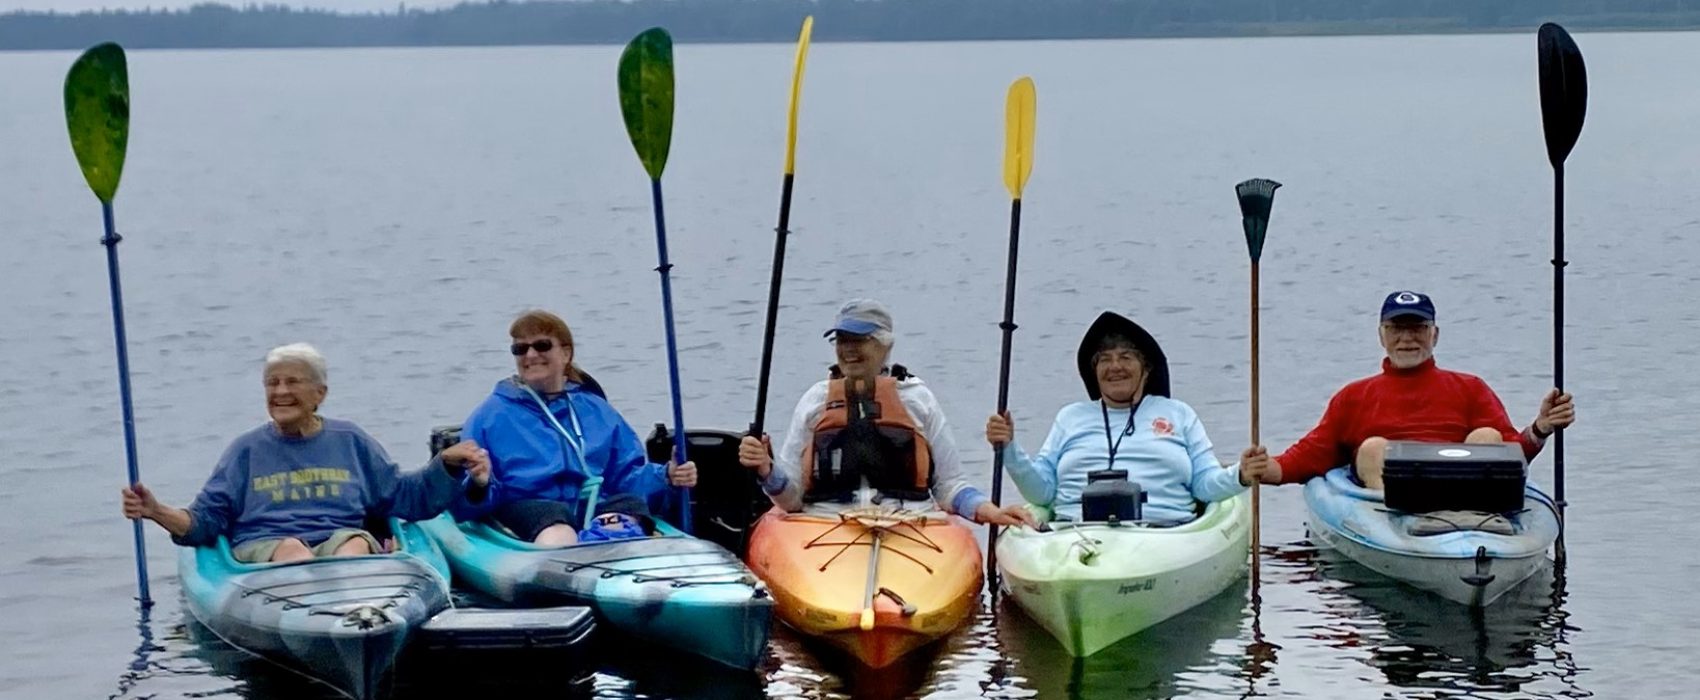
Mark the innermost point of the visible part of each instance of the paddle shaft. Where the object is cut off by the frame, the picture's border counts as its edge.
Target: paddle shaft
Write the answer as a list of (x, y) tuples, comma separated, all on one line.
[(1008, 327), (666, 268), (1256, 520), (780, 233), (110, 240), (1558, 263)]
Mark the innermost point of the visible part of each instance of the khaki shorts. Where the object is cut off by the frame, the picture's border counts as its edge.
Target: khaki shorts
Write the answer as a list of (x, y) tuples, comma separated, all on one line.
[(261, 551)]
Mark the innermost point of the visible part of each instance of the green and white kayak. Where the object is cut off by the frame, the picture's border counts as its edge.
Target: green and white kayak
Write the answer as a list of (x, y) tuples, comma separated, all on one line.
[(1092, 584)]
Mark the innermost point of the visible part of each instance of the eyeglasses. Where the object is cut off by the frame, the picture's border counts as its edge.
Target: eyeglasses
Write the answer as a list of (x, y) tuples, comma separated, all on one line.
[(541, 346), (1126, 359)]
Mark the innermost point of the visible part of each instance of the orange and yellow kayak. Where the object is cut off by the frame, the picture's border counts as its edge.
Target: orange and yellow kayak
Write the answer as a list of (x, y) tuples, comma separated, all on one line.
[(875, 582)]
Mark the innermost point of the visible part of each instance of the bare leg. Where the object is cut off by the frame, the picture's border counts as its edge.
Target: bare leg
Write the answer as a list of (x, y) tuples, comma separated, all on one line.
[(1484, 436), (1371, 459), (557, 535), (354, 547), (291, 549)]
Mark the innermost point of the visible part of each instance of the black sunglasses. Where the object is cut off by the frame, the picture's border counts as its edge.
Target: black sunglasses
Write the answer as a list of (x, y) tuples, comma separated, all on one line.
[(541, 346)]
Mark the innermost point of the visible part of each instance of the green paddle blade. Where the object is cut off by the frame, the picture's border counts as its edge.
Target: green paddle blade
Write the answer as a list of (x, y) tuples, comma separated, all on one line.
[(1564, 90), (97, 112), (646, 97), (1257, 197)]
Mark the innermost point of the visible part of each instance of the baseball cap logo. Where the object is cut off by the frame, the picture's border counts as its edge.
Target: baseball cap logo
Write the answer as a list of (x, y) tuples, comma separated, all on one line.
[(1406, 298)]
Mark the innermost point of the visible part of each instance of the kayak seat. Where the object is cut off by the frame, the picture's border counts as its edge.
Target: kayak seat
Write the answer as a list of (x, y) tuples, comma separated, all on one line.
[(1441, 522), (728, 499)]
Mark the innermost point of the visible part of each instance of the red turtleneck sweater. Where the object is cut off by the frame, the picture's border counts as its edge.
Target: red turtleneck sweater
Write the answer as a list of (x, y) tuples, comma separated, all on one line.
[(1422, 403)]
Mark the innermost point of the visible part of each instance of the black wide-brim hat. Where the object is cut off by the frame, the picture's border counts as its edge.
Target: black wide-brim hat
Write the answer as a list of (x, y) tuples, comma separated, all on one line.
[(1111, 323)]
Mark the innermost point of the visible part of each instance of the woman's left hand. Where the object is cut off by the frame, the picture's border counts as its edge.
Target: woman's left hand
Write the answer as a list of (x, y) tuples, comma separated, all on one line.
[(683, 475)]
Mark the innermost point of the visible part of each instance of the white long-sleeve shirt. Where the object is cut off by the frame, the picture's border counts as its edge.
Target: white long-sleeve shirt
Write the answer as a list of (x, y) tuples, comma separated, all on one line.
[(951, 490), (1168, 453)]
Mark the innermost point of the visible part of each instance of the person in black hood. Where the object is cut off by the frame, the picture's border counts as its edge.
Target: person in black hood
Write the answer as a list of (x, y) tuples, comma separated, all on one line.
[(1128, 422)]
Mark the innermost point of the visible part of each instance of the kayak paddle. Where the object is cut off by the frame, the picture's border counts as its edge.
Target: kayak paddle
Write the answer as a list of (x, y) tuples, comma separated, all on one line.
[(646, 104), (1019, 109), (1564, 102), (782, 230), (1257, 198), (97, 113)]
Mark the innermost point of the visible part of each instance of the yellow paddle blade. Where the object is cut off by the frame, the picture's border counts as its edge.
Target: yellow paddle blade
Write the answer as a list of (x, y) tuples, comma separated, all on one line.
[(1018, 136), (867, 621), (797, 95)]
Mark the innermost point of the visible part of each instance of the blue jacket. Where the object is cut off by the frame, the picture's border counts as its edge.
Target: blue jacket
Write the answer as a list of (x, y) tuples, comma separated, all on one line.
[(268, 485), (531, 460)]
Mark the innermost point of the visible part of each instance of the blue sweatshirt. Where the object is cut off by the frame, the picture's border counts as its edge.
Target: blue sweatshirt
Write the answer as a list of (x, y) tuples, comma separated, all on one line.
[(531, 460), (1168, 454), (268, 485)]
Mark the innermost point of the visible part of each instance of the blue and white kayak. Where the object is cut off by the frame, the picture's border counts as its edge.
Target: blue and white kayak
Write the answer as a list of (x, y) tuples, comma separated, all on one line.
[(671, 589), (340, 620), (1469, 558)]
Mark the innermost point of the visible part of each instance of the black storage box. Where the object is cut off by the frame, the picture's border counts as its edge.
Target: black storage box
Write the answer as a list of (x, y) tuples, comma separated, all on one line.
[(1427, 476), (1110, 497)]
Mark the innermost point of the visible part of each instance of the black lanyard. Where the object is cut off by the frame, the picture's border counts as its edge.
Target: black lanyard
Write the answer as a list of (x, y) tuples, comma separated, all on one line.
[(1126, 431)]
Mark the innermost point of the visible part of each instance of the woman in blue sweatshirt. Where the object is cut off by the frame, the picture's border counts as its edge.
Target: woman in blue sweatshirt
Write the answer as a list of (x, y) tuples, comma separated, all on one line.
[(302, 486), (557, 449), (1129, 422)]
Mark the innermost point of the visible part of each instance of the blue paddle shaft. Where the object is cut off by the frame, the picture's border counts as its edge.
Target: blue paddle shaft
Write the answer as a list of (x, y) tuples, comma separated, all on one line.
[(665, 268), (110, 240)]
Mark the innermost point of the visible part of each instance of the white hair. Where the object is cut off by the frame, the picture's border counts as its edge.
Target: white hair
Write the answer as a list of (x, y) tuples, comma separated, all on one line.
[(301, 353), (883, 337)]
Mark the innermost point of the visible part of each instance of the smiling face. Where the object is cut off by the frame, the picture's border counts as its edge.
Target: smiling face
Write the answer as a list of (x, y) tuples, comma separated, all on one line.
[(1409, 340), (859, 355), (1121, 374), (545, 371), (293, 395)]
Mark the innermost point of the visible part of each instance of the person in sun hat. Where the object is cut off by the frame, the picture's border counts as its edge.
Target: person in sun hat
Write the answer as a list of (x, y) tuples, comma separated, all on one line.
[(1129, 421), (304, 486), (870, 422), (1411, 399), (559, 453)]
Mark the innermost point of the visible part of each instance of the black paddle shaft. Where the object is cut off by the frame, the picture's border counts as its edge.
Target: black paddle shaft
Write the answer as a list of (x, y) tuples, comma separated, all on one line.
[(1008, 327), (780, 233), (1558, 263)]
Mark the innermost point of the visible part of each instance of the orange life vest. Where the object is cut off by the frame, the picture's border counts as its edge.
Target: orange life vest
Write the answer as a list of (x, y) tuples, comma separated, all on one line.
[(865, 433)]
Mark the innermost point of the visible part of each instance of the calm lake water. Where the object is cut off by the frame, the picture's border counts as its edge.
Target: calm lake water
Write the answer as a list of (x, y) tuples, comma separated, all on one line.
[(397, 207)]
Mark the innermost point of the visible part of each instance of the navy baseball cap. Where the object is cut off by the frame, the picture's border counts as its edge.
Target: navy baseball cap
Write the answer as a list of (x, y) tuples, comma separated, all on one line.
[(861, 317), (1407, 303)]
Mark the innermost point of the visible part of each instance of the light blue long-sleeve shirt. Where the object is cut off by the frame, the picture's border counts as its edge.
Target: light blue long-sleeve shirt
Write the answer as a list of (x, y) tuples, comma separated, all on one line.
[(1168, 454)]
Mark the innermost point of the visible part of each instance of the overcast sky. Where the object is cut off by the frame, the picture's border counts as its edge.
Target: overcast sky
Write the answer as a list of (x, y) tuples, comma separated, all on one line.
[(76, 5)]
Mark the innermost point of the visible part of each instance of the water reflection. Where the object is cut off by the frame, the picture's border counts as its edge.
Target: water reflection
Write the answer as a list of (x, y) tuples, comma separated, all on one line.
[(1420, 641), (1198, 647)]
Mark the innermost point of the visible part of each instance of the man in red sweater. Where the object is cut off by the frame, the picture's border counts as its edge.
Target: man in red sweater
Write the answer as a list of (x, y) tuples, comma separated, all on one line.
[(1411, 399)]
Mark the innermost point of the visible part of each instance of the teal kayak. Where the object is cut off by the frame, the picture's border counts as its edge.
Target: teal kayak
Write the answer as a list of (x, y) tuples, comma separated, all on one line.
[(340, 620), (671, 589)]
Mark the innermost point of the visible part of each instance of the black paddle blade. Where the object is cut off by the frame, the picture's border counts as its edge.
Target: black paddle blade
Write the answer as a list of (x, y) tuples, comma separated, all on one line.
[(1564, 91), (1257, 197)]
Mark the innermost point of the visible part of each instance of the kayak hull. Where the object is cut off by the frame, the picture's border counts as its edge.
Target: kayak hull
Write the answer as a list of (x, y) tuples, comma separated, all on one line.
[(1471, 567), (1136, 578), (817, 567), (340, 620), (674, 590)]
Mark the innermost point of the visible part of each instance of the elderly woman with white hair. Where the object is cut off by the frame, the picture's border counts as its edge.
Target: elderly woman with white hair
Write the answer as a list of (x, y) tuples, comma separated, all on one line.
[(870, 423), (302, 486)]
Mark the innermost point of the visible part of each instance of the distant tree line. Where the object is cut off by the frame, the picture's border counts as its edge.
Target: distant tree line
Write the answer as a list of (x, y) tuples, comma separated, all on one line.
[(615, 21)]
